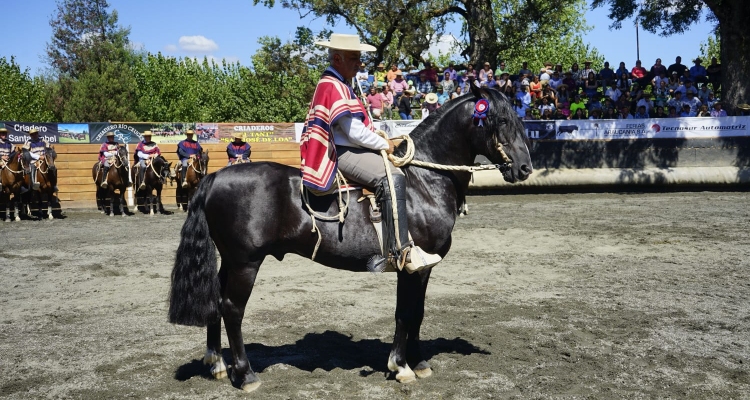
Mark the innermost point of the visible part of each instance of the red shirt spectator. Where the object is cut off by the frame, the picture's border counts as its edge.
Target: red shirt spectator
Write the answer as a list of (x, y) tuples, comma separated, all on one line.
[(638, 71)]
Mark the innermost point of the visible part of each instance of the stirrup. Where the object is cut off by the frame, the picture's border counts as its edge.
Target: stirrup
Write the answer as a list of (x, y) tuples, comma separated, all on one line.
[(103, 185), (184, 185), (35, 186), (418, 259), (142, 187)]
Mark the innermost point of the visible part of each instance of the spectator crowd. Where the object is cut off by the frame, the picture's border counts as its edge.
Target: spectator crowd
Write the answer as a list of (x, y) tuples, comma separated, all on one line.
[(554, 93)]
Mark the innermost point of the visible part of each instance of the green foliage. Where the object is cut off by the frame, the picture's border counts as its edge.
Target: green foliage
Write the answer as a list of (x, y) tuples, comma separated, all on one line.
[(90, 57), (509, 29), (22, 98), (555, 37), (711, 48)]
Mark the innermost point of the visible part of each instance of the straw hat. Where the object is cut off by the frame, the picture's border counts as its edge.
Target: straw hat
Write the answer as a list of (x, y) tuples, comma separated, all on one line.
[(110, 133), (237, 135), (410, 92), (3, 129), (33, 131), (744, 106), (189, 132), (431, 98), (147, 133), (340, 41)]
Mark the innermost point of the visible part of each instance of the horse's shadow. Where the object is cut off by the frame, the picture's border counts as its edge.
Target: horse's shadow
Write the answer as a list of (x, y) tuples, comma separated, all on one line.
[(327, 351)]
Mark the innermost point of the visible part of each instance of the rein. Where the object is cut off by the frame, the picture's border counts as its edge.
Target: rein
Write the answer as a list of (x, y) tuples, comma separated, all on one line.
[(161, 178), (43, 161), (408, 159), (6, 165)]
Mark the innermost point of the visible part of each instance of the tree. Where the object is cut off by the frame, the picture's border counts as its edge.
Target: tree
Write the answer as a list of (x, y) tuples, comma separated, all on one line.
[(711, 48), (22, 98), (667, 17), (90, 49), (404, 29)]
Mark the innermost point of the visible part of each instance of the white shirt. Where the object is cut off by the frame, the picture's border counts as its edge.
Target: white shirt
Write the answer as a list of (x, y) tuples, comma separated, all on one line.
[(362, 75), (351, 132), (613, 94)]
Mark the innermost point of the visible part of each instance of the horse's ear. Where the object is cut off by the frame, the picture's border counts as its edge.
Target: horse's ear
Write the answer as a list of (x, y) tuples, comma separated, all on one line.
[(475, 89)]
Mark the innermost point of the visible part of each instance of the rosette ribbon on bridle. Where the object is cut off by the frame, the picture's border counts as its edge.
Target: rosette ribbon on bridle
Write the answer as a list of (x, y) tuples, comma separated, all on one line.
[(480, 111)]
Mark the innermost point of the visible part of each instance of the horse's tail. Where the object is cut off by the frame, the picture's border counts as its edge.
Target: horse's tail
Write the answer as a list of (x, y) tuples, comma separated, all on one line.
[(195, 294)]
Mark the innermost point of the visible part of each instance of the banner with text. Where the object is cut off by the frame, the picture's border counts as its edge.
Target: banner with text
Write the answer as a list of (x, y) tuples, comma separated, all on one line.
[(18, 131), (656, 128), (252, 132)]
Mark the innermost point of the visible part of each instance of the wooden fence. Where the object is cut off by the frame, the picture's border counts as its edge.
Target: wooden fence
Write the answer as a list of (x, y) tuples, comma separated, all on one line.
[(75, 161)]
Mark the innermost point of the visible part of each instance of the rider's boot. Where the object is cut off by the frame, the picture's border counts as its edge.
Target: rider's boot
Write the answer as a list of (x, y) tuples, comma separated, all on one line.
[(416, 258), (105, 171), (34, 183), (142, 177), (183, 176)]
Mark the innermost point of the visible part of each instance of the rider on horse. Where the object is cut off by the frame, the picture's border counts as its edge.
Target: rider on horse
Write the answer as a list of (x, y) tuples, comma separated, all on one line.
[(5, 148), (187, 150), (106, 154), (34, 149), (338, 133), (239, 150), (145, 151)]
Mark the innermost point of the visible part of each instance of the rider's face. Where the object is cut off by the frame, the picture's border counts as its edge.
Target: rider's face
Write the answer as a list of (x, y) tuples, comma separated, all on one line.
[(347, 63)]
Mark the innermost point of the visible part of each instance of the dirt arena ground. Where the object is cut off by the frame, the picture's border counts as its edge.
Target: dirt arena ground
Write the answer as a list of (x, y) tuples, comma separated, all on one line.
[(543, 296)]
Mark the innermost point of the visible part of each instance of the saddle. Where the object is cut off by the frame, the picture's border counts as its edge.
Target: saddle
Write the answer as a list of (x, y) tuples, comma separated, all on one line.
[(341, 187)]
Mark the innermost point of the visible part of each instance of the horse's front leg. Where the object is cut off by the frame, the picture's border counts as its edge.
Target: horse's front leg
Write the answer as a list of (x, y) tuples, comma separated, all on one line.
[(151, 203), (49, 206), (16, 209), (112, 203), (158, 201), (409, 314), (122, 202)]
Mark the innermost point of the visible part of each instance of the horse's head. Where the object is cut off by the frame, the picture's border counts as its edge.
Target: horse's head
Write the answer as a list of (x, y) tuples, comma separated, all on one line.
[(50, 156), (204, 163), (480, 122), (122, 154), (498, 134)]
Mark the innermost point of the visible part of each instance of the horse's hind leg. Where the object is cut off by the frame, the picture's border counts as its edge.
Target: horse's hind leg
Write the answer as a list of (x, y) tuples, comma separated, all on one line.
[(409, 314), (213, 351), (236, 291)]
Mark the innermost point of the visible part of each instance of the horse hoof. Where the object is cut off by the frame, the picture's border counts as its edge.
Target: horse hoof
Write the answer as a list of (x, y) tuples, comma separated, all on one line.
[(423, 373), (50, 217), (249, 387), (219, 375), (405, 375), (17, 219)]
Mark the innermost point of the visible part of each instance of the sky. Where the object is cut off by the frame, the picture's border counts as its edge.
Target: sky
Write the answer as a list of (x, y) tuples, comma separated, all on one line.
[(230, 29)]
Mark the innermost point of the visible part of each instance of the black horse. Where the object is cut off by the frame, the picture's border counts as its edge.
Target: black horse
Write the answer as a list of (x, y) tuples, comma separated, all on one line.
[(254, 210), (157, 172)]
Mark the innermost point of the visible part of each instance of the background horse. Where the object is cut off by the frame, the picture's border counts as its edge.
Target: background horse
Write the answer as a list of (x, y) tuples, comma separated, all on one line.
[(196, 170), (46, 176), (254, 210), (12, 179), (116, 179), (157, 172)]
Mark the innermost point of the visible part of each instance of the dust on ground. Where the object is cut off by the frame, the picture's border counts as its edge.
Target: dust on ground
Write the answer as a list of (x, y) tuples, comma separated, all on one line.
[(541, 296)]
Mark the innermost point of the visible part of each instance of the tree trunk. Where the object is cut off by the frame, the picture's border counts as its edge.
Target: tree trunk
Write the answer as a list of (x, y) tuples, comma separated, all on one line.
[(735, 52), (482, 33)]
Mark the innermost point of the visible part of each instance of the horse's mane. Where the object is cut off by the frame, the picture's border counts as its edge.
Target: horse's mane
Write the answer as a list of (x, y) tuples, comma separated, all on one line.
[(449, 114)]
